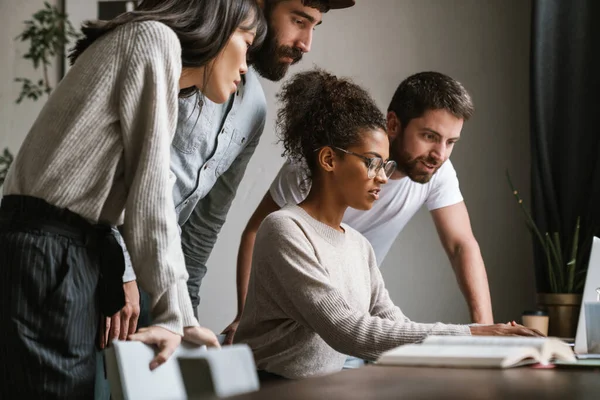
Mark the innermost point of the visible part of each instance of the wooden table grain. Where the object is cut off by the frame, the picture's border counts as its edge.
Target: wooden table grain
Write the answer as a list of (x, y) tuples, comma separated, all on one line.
[(385, 382)]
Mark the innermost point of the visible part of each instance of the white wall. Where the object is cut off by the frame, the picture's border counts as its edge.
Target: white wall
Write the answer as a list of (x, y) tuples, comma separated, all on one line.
[(485, 45), (482, 43)]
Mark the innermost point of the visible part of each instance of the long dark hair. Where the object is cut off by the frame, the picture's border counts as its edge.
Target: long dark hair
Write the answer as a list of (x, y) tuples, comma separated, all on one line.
[(202, 26), (319, 109)]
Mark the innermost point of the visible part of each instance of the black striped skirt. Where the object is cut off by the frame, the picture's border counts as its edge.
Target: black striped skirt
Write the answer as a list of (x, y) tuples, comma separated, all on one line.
[(58, 274)]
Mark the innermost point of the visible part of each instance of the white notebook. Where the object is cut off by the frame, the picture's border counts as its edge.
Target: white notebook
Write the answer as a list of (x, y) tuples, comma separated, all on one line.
[(478, 352)]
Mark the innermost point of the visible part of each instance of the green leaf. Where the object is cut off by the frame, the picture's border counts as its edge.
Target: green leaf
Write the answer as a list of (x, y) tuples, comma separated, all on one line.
[(47, 32), (551, 273), (559, 259), (571, 266), (555, 263)]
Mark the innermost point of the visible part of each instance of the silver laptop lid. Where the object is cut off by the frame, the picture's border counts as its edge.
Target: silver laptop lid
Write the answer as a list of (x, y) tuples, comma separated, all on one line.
[(592, 281)]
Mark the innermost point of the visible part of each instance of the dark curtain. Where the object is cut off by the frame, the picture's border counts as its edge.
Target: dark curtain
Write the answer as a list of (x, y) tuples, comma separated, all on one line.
[(565, 124)]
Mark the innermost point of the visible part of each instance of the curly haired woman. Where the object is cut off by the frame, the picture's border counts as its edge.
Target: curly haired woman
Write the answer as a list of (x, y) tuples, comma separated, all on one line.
[(316, 293)]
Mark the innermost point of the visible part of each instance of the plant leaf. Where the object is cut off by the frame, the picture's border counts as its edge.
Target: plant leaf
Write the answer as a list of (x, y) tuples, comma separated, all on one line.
[(559, 259), (554, 265), (572, 265)]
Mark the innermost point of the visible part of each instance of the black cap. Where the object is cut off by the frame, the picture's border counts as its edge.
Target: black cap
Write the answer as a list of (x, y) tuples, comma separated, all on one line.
[(337, 4)]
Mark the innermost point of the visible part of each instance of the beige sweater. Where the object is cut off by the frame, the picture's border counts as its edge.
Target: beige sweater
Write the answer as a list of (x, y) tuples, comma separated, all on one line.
[(100, 148), (316, 295)]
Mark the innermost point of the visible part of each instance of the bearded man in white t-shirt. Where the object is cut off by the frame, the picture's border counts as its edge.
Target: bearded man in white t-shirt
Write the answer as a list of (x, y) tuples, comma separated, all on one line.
[(424, 121)]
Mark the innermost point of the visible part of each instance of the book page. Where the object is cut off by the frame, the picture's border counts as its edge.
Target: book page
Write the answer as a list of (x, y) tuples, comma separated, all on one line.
[(556, 349), (501, 341), (459, 356), (548, 348)]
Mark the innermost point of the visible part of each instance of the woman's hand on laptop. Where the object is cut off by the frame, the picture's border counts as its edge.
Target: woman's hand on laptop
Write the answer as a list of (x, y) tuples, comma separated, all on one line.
[(510, 329)]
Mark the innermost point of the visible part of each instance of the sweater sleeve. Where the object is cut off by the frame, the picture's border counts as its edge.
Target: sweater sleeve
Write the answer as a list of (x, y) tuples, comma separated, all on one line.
[(292, 272), (149, 88)]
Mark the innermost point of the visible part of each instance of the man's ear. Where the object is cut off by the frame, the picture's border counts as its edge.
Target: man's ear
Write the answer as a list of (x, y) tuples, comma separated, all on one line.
[(393, 125), (326, 158)]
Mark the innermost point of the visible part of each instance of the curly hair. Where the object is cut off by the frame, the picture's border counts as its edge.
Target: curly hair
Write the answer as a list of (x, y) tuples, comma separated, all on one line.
[(430, 91), (319, 109)]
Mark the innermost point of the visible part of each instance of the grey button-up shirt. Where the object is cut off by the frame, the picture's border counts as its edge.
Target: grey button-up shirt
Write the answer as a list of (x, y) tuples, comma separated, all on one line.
[(209, 154)]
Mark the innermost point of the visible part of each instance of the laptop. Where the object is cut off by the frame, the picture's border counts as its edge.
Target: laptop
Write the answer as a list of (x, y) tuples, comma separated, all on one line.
[(592, 281)]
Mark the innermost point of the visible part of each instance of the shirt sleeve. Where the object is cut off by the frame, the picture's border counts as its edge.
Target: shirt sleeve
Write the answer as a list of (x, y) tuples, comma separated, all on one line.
[(147, 103), (199, 233), (284, 254), (445, 190), (291, 185), (129, 273)]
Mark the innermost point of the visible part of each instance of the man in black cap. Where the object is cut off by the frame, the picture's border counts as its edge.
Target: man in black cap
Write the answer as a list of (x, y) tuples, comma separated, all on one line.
[(214, 143), (291, 24)]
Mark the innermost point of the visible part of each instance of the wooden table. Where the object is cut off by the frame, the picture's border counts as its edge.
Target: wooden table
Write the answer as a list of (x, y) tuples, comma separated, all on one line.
[(385, 382)]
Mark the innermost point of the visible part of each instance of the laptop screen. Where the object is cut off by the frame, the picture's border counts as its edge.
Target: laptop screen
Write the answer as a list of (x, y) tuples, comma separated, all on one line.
[(592, 281)]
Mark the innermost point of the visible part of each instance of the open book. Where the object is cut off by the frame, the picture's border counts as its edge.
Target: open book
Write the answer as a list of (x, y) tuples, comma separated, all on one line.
[(479, 351)]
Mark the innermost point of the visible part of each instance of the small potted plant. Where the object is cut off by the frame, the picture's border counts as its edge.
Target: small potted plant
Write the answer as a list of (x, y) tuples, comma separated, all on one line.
[(564, 270)]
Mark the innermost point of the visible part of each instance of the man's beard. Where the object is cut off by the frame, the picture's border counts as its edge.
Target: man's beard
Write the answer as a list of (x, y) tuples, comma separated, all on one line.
[(267, 60), (410, 167)]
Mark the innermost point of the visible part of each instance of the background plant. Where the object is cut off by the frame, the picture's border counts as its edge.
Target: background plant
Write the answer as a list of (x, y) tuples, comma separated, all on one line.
[(48, 32), (565, 269)]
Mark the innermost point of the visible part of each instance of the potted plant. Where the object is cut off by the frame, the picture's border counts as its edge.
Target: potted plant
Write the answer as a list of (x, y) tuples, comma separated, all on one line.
[(565, 270), (48, 33)]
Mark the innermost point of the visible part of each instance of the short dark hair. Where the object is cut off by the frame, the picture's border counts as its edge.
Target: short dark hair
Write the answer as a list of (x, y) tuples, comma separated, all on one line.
[(430, 91), (319, 109), (202, 26)]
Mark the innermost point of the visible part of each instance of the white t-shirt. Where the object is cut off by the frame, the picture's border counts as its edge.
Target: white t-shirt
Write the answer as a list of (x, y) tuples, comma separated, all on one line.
[(398, 201)]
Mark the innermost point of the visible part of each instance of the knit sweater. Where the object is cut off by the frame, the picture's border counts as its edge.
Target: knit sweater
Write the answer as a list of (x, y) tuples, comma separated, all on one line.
[(100, 148), (316, 295)]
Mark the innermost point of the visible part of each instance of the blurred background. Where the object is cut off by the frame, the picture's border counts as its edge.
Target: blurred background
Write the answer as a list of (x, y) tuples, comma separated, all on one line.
[(485, 44)]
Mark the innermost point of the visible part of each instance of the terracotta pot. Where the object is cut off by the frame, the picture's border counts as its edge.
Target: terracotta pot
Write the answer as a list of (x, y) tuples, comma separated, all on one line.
[(563, 310)]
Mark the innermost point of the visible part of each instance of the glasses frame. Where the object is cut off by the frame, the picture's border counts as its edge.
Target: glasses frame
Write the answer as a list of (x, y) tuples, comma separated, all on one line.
[(369, 162)]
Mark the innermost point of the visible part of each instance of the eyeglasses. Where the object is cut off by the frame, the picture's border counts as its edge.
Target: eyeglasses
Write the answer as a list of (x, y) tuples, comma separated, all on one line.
[(374, 164)]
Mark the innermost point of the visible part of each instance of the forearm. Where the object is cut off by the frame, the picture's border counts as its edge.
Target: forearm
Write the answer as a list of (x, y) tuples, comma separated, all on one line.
[(365, 336), (150, 225), (244, 267), (197, 246), (472, 278)]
